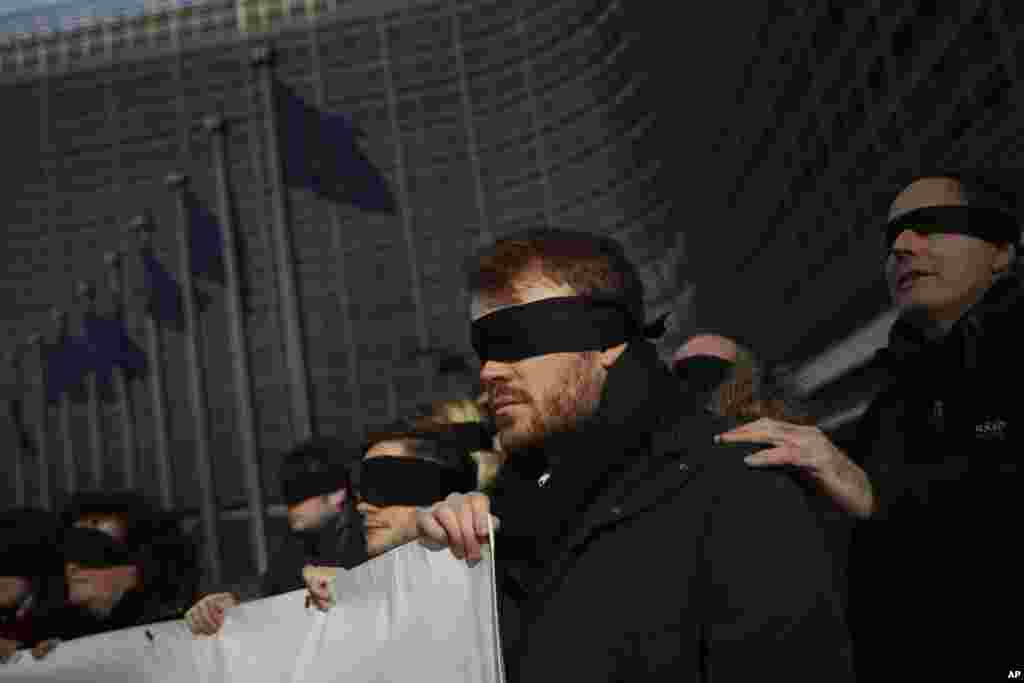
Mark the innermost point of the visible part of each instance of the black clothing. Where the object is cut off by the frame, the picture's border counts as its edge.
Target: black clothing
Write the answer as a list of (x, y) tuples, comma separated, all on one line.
[(136, 608), (650, 553), (930, 579), (340, 543)]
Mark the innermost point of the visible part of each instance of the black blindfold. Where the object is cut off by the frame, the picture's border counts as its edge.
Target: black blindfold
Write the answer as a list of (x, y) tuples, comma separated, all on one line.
[(991, 225), (557, 325), (386, 481), (95, 549)]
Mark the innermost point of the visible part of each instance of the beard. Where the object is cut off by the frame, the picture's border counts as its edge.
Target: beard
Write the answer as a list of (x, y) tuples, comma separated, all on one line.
[(566, 408)]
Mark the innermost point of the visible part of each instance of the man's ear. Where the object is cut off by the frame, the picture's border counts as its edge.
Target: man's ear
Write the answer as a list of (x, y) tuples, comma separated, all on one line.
[(609, 356)]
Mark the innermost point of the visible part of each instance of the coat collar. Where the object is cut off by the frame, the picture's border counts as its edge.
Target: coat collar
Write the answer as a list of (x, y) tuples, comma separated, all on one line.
[(908, 343), (644, 403), (655, 441)]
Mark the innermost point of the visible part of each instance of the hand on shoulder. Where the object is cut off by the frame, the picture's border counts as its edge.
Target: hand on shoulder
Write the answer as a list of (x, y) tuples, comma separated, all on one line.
[(810, 451)]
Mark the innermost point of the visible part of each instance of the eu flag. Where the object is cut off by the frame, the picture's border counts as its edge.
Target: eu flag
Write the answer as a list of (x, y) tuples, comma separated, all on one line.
[(162, 291), (206, 249), (206, 241), (110, 346), (66, 365), (321, 153)]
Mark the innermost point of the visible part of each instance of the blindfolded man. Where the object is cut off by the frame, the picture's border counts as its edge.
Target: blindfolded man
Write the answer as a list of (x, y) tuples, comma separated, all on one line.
[(316, 483), (634, 548), (941, 442)]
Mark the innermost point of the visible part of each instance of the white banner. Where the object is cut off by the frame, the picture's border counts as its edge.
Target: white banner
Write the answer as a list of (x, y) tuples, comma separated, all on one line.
[(410, 615)]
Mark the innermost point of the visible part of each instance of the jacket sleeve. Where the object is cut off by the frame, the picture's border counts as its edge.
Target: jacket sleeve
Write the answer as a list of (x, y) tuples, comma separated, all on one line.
[(772, 607)]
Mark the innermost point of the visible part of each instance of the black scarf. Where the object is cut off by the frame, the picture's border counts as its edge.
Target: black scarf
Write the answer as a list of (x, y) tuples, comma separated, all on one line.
[(537, 519), (910, 349)]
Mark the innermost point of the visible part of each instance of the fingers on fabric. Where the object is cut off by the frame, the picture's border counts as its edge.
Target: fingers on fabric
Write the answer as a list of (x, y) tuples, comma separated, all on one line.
[(207, 616), (447, 515), (7, 649), (481, 506), (467, 526), (764, 430), (771, 457), (459, 522), (321, 593), (318, 584), (430, 532), (44, 648)]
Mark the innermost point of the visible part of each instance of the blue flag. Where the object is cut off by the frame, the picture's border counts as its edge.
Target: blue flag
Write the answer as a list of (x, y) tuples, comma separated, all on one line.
[(111, 347), (321, 153), (66, 365), (206, 243), (163, 292)]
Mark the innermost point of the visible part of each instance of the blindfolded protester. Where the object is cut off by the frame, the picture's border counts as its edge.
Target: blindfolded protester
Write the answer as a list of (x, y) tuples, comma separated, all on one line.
[(406, 467), (941, 441), (316, 484), (114, 584), (631, 545)]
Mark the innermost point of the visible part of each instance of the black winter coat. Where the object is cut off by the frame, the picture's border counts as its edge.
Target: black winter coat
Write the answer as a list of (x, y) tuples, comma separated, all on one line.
[(931, 579), (340, 543), (662, 557)]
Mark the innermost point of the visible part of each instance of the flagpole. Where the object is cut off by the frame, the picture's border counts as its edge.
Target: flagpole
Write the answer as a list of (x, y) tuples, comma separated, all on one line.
[(217, 128), (60, 319), (122, 389), (35, 342), (338, 256), (302, 420), (14, 361), (97, 446), (196, 385), (143, 227)]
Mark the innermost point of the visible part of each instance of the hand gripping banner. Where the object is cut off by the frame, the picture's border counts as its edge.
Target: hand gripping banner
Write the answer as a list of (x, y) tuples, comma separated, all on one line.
[(410, 615)]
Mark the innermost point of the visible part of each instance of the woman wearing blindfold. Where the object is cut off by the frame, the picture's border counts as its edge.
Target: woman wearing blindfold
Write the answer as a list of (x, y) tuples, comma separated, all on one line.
[(406, 466)]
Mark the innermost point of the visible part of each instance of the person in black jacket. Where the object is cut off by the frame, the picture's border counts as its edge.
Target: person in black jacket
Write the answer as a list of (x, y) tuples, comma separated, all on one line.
[(942, 441), (31, 580), (316, 482), (940, 444), (631, 546), (407, 464)]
